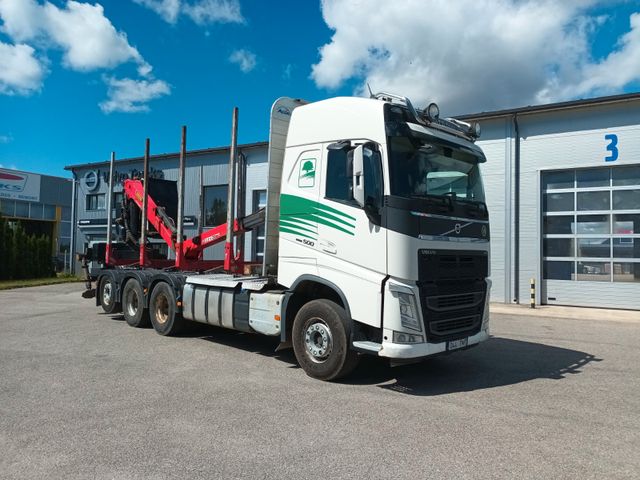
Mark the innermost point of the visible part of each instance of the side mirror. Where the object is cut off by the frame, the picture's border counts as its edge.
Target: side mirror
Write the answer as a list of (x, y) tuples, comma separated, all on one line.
[(358, 175), (89, 253)]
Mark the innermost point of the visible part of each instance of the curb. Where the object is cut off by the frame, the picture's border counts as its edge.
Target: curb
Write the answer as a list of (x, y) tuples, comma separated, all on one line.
[(575, 313)]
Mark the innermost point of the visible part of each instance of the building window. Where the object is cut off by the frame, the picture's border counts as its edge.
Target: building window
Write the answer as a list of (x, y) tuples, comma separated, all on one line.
[(116, 204), (66, 214), (591, 224), (118, 197), (96, 202), (22, 209), (49, 212), (7, 207), (215, 205), (36, 210), (259, 201)]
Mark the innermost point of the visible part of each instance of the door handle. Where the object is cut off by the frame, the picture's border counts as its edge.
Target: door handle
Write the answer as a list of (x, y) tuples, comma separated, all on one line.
[(327, 246)]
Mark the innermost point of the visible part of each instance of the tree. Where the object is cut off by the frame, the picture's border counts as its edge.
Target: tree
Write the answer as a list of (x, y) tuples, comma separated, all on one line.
[(307, 168)]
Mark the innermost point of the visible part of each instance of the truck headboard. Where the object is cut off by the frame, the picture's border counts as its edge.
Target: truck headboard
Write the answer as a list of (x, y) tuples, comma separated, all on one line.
[(279, 126)]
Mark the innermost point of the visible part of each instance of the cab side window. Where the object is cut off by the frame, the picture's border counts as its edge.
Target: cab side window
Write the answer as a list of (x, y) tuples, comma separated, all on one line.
[(340, 176)]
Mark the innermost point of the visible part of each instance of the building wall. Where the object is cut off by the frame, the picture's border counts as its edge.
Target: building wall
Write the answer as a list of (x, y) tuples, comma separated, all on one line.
[(557, 140), (49, 210)]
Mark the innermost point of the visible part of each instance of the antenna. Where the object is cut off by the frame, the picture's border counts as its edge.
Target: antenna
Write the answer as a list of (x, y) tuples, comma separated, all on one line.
[(371, 95)]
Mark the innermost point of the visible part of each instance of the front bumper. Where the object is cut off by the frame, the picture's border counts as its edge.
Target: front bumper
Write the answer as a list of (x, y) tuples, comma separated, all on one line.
[(404, 351)]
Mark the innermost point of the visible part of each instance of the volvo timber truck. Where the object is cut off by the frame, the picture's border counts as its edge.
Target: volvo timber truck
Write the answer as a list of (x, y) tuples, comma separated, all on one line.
[(376, 240)]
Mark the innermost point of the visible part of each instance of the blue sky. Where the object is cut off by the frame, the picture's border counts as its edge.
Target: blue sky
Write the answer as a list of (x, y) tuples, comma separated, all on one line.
[(69, 70)]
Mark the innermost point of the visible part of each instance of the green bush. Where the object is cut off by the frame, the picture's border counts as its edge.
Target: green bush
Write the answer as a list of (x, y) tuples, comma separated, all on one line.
[(23, 256)]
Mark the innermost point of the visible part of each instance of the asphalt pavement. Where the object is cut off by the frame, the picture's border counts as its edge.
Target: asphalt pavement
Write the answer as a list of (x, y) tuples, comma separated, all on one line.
[(82, 395)]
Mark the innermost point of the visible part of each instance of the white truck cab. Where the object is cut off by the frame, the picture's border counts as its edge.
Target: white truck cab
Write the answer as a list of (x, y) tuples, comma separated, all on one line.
[(385, 208)]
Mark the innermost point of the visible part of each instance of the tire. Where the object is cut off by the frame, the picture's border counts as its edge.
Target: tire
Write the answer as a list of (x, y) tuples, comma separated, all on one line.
[(107, 295), (165, 318), (321, 333), (133, 305)]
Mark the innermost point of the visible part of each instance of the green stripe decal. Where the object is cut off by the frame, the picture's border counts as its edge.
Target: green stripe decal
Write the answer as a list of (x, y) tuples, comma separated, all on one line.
[(288, 224), (333, 225), (307, 222), (308, 213), (293, 204), (333, 210), (286, 230), (328, 216)]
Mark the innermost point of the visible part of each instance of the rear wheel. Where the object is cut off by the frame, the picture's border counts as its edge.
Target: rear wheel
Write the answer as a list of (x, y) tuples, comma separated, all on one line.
[(165, 318), (107, 295), (133, 305), (321, 332)]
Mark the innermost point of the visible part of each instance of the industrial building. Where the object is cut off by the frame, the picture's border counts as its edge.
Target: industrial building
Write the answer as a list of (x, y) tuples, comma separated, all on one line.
[(563, 188), (562, 183), (205, 205), (42, 205)]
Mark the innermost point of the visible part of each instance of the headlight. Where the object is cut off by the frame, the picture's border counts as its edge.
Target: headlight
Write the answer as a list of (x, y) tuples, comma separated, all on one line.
[(408, 312), (433, 112), (400, 337), (475, 130)]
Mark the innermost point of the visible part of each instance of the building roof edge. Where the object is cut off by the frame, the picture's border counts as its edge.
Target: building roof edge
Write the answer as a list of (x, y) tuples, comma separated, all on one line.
[(190, 153), (531, 109)]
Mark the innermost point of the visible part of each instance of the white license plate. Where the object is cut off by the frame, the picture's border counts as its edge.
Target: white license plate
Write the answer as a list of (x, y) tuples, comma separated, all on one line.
[(456, 344)]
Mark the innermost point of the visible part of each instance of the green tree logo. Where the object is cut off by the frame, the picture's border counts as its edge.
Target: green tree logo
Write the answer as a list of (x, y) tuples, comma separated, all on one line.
[(307, 175), (308, 169)]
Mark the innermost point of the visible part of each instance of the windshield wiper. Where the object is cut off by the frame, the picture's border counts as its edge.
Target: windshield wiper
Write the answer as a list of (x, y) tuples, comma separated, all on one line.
[(475, 206), (438, 200)]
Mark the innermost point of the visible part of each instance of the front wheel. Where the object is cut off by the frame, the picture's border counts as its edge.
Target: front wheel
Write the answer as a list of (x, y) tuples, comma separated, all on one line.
[(163, 312), (321, 332)]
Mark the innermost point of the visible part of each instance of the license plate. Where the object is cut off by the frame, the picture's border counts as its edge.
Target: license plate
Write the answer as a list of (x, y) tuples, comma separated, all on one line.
[(456, 344)]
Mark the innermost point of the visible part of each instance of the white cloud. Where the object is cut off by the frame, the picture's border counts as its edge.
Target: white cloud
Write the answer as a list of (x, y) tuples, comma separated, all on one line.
[(88, 38), (287, 71), (169, 10), (8, 167), (473, 55), (214, 11), (88, 41), (22, 19), (619, 68), (245, 59), (202, 12), (20, 72), (129, 95), (6, 138)]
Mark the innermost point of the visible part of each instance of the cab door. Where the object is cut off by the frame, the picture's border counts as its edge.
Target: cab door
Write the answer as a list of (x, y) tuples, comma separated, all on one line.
[(352, 246)]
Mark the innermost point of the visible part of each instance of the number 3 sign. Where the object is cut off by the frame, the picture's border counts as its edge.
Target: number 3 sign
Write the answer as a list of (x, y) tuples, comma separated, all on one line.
[(612, 148)]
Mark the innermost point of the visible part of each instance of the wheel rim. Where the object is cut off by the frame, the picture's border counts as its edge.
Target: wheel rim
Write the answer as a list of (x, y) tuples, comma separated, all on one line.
[(107, 292), (132, 303), (318, 341), (162, 309)]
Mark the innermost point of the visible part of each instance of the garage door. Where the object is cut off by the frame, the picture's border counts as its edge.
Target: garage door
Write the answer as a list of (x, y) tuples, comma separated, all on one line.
[(591, 237)]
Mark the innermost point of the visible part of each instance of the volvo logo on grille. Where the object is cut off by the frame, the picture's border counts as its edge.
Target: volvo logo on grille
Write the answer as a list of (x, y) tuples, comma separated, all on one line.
[(457, 228)]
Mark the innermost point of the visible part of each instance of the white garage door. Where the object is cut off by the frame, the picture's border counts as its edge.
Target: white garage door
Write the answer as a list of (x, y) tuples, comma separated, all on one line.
[(591, 237)]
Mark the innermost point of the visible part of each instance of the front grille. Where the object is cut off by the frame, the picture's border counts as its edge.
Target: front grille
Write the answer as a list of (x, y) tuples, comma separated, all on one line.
[(451, 302), (452, 292), (454, 325)]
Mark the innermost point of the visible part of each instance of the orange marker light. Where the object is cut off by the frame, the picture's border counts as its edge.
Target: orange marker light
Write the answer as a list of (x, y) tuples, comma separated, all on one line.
[(276, 318)]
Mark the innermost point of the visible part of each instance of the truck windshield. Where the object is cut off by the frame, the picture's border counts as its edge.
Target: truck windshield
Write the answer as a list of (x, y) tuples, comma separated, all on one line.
[(420, 168)]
